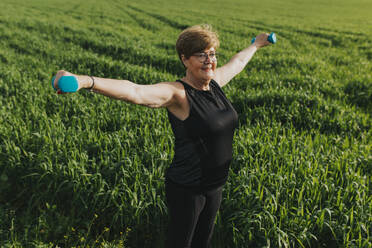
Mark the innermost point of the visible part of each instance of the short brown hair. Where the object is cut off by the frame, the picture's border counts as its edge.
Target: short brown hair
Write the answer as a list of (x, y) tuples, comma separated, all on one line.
[(196, 39)]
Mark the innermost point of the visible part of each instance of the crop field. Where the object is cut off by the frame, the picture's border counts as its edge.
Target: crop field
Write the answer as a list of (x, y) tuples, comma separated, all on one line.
[(83, 170)]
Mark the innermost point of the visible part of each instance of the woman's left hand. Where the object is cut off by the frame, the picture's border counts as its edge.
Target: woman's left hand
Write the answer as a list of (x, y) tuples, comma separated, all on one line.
[(262, 40)]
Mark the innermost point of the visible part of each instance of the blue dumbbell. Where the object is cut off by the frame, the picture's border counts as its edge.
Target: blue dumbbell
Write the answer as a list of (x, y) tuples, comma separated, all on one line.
[(271, 38), (67, 84)]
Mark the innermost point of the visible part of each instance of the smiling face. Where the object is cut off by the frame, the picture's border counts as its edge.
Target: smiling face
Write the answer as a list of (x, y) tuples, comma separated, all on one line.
[(201, 66)]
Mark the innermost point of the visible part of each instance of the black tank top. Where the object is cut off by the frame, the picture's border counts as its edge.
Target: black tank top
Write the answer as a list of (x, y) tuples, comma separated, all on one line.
[(203, 142)]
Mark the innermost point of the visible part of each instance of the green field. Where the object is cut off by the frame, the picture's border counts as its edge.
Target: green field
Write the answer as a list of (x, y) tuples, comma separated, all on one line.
[(85, 170)]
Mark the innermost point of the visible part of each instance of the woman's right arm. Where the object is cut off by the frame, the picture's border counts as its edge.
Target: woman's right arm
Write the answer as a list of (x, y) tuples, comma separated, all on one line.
[(154, 95)]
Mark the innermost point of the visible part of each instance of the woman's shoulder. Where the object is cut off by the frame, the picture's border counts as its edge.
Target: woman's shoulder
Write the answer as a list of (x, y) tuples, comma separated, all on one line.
[(175, 86), (178, 90), (215, 84)]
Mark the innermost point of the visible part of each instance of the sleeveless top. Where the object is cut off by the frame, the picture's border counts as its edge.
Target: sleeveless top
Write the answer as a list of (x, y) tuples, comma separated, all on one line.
[(203, 141)]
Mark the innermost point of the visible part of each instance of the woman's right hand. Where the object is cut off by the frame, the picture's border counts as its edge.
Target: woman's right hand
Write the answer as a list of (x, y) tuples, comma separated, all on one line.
[(83, 81)]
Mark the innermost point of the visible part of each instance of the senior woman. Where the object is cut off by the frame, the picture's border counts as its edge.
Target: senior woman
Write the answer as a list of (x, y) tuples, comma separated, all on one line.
[(203, 122)]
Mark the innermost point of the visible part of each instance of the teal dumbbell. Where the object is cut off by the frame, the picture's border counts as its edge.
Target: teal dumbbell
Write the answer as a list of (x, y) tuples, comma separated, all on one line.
[(67, 84), (271, 38)]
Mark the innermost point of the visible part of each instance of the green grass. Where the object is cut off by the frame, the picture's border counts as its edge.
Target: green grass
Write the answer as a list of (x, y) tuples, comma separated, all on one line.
[(85, 170)]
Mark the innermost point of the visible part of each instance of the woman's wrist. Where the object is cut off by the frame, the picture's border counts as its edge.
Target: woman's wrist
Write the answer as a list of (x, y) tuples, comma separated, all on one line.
[(92, 85), (255, 46), (85, 81)]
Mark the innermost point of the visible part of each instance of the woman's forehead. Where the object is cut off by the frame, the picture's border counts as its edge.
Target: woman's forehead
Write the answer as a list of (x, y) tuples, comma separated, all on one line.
[(208, 50)]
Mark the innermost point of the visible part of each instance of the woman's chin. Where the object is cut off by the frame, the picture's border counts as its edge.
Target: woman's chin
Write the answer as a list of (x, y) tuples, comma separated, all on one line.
[(208, 74)]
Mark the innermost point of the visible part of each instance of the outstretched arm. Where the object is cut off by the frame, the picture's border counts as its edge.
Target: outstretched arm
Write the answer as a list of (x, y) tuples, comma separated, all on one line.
[(154, 95), (237, 63)]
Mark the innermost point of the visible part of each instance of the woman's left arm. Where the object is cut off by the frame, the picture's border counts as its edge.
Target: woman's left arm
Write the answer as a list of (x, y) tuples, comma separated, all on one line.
[(237, 63)]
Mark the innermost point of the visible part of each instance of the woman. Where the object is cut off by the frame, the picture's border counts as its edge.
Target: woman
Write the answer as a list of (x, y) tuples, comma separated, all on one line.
[(203, 122)]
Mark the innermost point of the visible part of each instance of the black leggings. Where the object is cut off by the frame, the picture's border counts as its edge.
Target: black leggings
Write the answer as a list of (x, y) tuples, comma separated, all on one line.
[(192, 216)]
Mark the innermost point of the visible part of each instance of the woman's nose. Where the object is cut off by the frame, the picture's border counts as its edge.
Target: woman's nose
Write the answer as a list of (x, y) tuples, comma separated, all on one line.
[(208, 59)]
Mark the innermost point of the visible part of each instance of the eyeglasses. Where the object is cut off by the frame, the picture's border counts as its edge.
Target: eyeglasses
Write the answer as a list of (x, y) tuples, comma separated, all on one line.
[(202, 57)]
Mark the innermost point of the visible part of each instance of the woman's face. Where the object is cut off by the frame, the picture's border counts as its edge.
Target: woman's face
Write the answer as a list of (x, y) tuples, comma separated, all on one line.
[(202, 65)]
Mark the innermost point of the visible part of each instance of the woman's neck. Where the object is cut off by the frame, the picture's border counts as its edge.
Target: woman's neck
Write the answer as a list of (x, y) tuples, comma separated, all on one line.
[(199, 84)]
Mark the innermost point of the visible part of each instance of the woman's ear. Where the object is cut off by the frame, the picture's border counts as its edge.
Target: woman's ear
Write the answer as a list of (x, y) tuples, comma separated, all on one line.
[(184, 60)]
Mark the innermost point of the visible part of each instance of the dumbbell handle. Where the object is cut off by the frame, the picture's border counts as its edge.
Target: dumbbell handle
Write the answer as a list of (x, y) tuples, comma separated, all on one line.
[(271, 38), (67, 84)]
